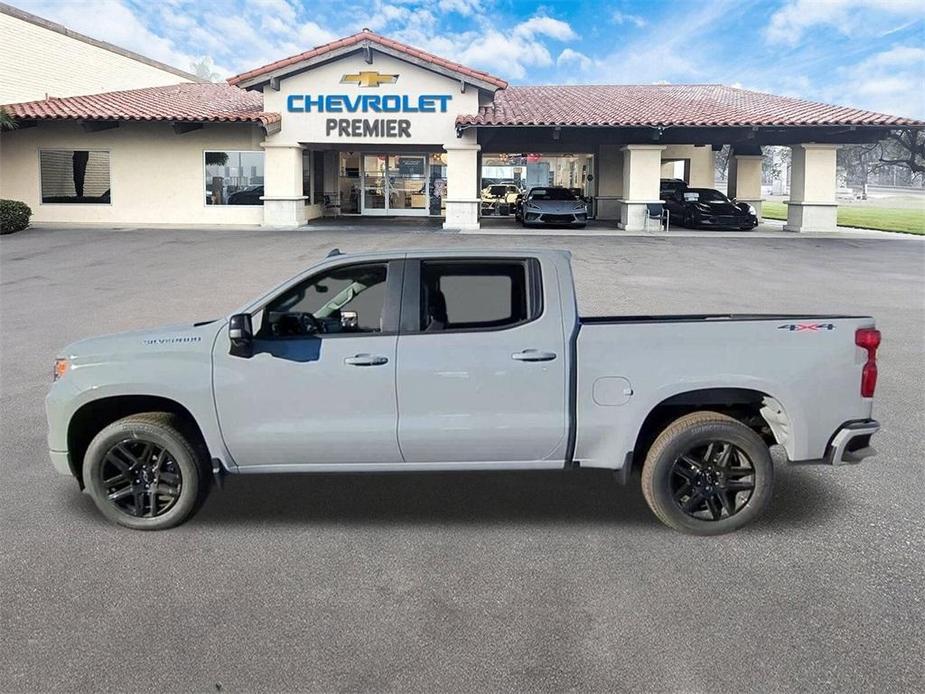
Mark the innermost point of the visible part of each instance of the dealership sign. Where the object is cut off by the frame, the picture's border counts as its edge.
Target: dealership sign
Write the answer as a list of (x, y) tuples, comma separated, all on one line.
[(368, 103)]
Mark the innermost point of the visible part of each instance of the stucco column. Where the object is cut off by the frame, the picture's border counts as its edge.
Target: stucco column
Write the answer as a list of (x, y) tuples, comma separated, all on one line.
[(703, 167), (812, 205), (462, 184), (283, 201), (642, 167), (745, 179)]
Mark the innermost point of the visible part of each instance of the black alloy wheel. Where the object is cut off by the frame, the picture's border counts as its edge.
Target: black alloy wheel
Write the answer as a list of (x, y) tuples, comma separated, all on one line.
[(146, 471), (141, 478), (707, 473), (712, 481)]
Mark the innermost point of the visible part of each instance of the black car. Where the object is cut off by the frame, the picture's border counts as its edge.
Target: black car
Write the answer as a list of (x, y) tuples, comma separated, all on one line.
[(248, 196), (667, 186), (708, 208)]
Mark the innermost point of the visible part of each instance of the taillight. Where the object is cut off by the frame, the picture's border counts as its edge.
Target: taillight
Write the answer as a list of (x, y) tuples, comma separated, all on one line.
[(869, 339)]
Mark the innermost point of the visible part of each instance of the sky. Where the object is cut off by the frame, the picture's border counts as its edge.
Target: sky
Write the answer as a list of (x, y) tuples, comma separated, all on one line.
[(864, 53)]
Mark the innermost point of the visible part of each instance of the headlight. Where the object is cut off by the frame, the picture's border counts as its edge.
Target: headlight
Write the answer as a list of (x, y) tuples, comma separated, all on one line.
[(61, 367), (531, 206), (752, 211), (579, 206)]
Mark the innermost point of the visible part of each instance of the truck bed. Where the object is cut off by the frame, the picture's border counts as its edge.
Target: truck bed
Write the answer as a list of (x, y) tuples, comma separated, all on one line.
[(807, 364), (695, 317)]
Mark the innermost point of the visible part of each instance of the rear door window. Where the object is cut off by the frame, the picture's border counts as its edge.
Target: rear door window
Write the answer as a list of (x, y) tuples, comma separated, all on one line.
[(474, 295)]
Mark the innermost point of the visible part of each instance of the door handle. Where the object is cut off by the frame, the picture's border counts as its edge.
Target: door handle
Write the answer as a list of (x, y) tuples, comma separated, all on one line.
[(366, 360), (533, 355)]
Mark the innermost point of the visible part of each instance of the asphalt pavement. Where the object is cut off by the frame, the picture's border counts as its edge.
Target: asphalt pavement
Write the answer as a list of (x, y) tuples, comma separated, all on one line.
[(460, 582)]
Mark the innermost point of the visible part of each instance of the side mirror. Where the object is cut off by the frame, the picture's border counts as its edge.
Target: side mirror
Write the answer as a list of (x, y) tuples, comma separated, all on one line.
[(241, 335)]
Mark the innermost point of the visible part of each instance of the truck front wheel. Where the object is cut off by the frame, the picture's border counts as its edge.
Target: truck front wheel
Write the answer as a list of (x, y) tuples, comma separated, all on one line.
[(144, 473), (707, 474)]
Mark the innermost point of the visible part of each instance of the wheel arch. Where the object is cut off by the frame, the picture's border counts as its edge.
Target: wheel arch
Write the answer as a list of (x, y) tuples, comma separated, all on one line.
[(93, 416), (760, 411)]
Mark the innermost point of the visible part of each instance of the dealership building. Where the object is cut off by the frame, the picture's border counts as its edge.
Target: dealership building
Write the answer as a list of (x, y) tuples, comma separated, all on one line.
[(369, 126)]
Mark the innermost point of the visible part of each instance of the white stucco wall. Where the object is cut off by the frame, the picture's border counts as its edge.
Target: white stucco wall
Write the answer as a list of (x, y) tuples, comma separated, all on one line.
[(701, 163), (156, 175), (38, 62)]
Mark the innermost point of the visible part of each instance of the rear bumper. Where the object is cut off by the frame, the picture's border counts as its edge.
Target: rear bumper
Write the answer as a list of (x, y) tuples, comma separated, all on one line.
[(851, 443)]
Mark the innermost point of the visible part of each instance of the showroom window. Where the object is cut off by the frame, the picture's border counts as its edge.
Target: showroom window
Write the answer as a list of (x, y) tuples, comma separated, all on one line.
[(234, 178), (75, 176)]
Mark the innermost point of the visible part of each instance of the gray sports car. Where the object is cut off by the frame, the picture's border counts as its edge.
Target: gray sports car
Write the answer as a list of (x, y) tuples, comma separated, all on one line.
[(553, 206)]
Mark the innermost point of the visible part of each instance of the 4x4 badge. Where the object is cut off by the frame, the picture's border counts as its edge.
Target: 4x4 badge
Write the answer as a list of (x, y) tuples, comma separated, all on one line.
[(806, 327)]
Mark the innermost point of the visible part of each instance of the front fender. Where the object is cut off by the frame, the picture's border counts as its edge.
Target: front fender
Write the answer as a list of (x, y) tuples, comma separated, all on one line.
[(186, 381)]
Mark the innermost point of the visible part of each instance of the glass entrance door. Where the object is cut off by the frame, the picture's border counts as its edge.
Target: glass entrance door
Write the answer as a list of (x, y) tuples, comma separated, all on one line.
[(375, 181), (395, 184)]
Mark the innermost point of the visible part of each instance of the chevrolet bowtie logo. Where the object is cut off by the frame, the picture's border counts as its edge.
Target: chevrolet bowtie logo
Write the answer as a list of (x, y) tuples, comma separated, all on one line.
[(369, 78)]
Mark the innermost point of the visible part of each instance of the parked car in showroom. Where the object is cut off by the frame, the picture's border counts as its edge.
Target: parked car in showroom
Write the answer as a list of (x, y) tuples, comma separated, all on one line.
[(553, 206), (499, 198), (247, 196), (707, 208), (441, 360)]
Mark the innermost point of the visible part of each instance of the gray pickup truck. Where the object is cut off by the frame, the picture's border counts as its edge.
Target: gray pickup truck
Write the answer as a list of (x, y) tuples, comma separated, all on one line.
[(460, 360)]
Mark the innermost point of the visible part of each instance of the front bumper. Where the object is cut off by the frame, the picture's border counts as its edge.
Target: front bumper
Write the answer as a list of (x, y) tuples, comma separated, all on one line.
[(61, 460), (563, 220), (851, 443), (726, 222)]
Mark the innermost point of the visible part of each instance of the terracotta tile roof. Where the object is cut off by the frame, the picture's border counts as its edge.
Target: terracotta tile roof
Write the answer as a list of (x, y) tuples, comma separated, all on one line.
[(704, 105), (374, 38), (203, 102)]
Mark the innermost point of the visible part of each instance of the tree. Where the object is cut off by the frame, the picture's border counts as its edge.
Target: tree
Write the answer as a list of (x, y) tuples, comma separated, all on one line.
[(216, 158), (905, 148), (721, 162), (202, 68), (7, 122), (901, 149)]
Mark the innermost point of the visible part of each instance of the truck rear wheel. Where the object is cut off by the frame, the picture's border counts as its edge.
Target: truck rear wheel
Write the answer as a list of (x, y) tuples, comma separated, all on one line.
[(144, 473), (707, 474)]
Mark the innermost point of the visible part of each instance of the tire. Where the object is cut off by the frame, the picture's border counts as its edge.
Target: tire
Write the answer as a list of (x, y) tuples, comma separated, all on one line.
[(686, 497), (145, 449)]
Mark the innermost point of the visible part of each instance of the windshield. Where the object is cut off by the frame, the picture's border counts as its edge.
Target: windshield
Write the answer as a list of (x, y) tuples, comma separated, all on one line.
[(552, 194), (498, 191), (704, 195)]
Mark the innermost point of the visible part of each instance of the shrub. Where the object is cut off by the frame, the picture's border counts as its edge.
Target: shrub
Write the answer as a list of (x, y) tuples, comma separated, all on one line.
[(14, 216)]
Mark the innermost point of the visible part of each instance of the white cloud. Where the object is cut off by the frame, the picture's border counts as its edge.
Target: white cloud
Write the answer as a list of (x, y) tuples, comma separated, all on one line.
[(466, 8), (619, 17), (892, 81), (849, 17), (568, 58), (545, 26), (115, 22), (679, 54), (508, 52)]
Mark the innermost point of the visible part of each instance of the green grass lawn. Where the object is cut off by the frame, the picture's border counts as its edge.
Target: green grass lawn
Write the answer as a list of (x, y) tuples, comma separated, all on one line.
[(907, 221)]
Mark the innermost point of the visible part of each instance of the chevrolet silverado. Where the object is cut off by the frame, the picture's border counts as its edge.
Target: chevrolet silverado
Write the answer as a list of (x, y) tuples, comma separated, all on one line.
[(460, 360)]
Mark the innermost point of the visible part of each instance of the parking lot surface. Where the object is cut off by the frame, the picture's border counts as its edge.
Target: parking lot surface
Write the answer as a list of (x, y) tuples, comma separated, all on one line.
[(460, 582)]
